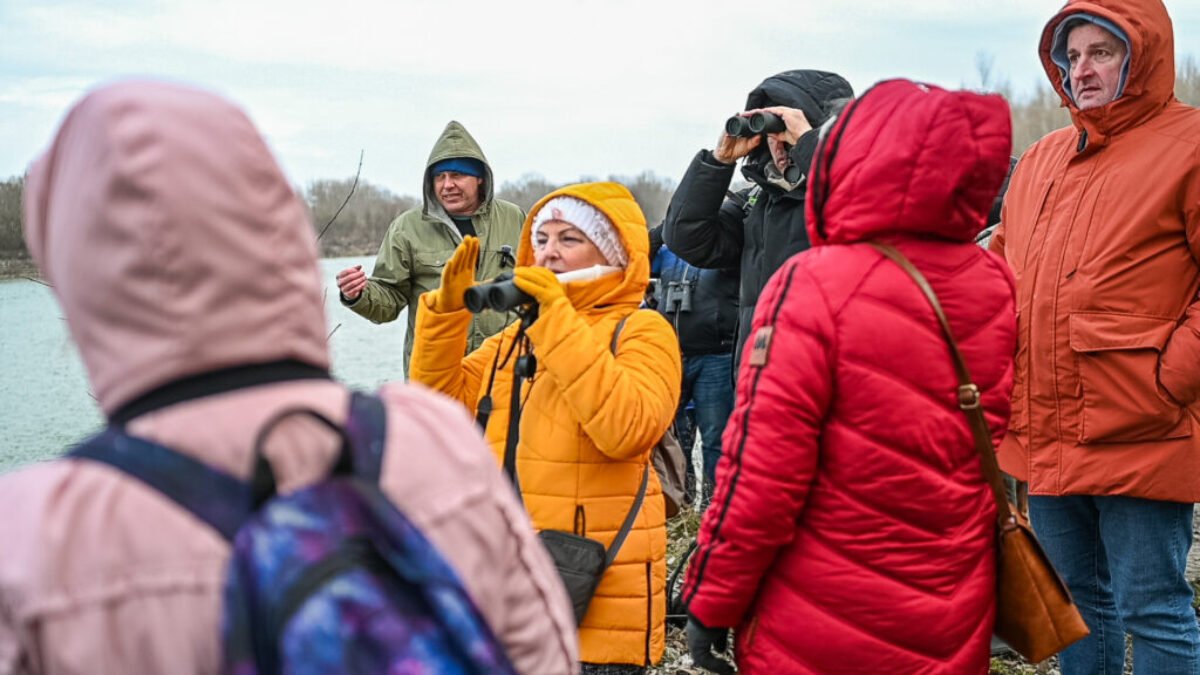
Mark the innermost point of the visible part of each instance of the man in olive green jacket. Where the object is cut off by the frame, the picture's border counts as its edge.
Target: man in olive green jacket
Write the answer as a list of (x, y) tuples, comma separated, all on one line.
[(458, 199)]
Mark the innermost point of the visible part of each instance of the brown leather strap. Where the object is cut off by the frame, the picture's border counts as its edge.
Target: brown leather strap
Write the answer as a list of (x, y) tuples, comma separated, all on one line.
[(968, 394)]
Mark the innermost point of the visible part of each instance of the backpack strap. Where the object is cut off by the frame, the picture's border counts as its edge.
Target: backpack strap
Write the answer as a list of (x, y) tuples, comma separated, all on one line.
[(366, 427), (612, 346), (215, 497), (218, 499)]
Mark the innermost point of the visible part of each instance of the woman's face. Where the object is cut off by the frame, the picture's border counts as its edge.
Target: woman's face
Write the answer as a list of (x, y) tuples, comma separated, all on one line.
[(562, 247)]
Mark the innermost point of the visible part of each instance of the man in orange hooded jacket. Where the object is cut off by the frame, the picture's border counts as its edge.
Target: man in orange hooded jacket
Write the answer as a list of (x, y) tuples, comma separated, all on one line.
[(1102, 229)]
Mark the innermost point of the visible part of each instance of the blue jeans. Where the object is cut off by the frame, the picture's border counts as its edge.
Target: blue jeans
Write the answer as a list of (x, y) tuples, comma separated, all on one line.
[(707, 383), (685, 433), (1124, 560)]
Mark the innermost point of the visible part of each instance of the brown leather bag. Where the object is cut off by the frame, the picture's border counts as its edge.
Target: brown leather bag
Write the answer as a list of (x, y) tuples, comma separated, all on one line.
[(1035, 614)]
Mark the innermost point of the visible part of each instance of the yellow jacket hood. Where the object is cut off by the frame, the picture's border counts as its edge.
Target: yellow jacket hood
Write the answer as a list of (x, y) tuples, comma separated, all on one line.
[(618, 205)]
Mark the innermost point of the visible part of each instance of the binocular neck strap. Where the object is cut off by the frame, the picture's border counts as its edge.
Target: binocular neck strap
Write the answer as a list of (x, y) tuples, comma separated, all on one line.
[(483, 410), (513, 435)]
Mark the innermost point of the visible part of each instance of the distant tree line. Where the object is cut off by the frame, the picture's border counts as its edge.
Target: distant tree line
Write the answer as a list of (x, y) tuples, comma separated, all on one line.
[(361, 225), (653, 193), (12, 241)]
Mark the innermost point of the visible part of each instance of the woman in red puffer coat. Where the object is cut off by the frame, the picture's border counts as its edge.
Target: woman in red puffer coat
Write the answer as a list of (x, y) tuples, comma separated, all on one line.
[(852, 529)]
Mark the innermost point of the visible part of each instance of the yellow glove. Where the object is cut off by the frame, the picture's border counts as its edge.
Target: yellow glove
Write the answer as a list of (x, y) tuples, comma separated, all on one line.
[(457, 277), (540, 283)]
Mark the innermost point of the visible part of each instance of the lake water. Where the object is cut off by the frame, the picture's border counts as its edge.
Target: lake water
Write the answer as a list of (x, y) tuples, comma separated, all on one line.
[(45, 405)]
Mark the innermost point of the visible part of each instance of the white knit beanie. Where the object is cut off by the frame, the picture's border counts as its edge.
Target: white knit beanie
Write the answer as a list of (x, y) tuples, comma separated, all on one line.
[(589, 220)]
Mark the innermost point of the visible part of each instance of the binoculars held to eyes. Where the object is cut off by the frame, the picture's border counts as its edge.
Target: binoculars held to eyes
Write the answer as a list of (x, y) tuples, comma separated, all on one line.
[(758, 123), (499, 294)]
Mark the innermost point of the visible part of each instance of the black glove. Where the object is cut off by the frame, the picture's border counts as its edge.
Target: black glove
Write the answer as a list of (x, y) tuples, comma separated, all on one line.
[(702, 641)]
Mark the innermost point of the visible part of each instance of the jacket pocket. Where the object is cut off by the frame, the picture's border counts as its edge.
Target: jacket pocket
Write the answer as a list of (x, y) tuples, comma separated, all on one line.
[(1121, 400), (435, 260)]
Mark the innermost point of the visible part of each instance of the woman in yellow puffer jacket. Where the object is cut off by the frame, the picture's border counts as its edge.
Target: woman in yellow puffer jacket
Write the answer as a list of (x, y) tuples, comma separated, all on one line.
[(591, 413)]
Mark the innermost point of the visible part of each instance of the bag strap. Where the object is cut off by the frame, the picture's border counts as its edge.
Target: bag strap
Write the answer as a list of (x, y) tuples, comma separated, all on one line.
[(366, 429), (512, 435), (968, 393), (215, 497), (612, 345), (626, 526), (637, 503)]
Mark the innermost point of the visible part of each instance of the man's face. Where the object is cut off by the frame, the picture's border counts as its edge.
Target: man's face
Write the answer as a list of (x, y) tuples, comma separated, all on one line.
[(458, 192), (1096, 56)]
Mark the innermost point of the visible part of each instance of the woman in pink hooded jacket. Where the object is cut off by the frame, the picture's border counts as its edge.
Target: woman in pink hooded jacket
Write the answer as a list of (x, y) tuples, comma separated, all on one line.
[(177, 249)]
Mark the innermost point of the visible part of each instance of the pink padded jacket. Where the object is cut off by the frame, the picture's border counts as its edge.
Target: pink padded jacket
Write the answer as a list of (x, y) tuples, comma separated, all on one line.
[(176, 246)]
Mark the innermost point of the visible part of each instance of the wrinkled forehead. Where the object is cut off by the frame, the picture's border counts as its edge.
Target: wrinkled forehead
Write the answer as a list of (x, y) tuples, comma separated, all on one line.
[(1083, 34)]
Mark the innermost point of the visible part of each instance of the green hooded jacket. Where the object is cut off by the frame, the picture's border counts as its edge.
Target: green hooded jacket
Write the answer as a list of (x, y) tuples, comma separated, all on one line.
[(420, 241)]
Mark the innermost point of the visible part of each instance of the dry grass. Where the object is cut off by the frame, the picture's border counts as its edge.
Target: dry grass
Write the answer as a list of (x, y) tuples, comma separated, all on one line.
[(681, 531)]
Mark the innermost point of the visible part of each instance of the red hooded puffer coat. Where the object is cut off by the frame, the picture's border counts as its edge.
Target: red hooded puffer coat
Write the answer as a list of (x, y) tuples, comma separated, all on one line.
[(852, 527)]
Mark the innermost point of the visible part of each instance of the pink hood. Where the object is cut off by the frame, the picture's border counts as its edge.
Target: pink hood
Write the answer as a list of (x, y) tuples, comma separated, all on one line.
[(173, 240)]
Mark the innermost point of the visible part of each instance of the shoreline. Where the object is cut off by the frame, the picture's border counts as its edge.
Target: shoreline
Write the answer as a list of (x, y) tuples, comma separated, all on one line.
[(19, 268), (24, 268)]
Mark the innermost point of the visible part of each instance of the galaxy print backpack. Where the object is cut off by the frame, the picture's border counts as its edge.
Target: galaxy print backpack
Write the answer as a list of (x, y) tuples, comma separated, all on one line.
[(331, 578)]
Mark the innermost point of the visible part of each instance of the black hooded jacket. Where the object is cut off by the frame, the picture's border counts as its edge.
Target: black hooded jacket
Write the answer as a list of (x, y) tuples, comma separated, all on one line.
[(763, 227), (710, 326)]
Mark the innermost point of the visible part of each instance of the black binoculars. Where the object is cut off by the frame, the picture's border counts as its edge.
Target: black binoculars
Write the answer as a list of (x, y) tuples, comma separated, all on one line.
[(499, 294), (758, 123), (675, 296)]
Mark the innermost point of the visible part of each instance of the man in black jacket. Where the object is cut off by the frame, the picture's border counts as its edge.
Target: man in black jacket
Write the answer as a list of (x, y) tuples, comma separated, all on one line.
[(764, 226), (702, 305)]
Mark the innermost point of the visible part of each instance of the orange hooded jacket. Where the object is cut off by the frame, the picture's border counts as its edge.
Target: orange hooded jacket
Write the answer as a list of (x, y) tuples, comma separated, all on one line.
[(1102, 228), (588, 424)]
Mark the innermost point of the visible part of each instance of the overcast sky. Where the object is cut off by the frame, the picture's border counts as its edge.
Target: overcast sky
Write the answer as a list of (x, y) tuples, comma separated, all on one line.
[(562, 88)]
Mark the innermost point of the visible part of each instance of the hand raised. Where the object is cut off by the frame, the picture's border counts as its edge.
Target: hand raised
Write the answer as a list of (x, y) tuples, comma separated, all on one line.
[(795, 121), (730, 149), (781, 143), (457, 277)]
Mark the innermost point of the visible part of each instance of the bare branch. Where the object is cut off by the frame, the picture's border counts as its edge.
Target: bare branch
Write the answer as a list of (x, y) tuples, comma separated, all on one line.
[(346, 201), (37, 281), (985, 66), (335, 329)]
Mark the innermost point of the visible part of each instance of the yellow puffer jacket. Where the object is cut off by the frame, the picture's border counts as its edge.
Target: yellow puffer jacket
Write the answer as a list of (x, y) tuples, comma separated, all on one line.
[(589, 422)]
